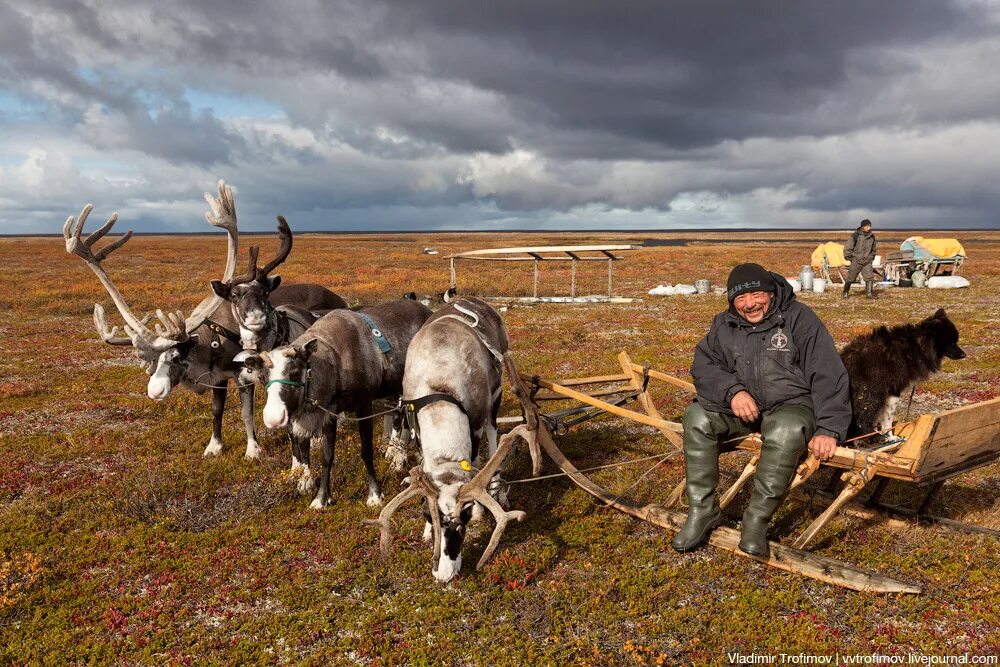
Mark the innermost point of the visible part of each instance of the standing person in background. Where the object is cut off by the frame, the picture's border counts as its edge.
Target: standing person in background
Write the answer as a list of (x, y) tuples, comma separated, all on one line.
[(860, 252)]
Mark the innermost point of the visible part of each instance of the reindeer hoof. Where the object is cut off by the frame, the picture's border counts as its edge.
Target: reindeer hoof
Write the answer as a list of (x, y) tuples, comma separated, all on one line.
[(374, 500), (252, 453), (428, 532), (306, 483), (396, 457), (214, 448), (319, 503)]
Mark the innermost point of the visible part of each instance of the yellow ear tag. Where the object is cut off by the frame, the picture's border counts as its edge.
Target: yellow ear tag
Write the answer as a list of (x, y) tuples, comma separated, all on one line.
[(465, 465)]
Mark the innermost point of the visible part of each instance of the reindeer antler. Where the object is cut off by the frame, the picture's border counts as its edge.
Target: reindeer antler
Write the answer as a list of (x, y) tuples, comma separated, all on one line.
[(254, 273), (286, 247), (222, 214), (172, 326), (109, 334), (476, 490), (72, 229), (419, 486), (251, 269)]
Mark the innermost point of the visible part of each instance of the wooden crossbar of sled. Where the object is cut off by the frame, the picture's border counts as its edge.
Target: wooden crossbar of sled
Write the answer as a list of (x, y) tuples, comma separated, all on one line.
[(927, 451)]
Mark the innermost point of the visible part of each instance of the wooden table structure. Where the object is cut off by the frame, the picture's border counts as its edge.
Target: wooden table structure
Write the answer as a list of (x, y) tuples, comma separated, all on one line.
[(538, 254)]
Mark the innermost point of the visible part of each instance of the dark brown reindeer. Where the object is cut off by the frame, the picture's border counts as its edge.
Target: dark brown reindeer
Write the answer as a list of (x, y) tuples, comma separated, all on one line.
[(342, 363), (451, 395), (197, 352), (180, 350), (262, 326)]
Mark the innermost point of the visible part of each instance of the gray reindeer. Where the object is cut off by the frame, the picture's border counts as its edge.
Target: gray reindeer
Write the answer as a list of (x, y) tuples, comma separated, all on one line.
[(451, 396), (342, 363)]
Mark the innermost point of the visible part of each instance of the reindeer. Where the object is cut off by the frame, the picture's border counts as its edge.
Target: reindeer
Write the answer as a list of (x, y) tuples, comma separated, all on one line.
[(451, 396), (197, 352), (174, 352), (343, 362), (261, 325)]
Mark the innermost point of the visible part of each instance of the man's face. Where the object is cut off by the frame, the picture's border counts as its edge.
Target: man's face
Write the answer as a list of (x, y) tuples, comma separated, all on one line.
[(866, 228), (752, 306)]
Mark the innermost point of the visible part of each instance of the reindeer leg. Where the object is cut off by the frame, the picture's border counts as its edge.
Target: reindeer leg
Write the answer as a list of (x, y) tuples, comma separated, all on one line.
[(498, 491), (367, 432), (392, 434), (301, 445), (322, 498), (218, 406), (246, 407)]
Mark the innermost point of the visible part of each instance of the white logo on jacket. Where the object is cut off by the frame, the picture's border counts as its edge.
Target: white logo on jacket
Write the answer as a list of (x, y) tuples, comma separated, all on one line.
[(779, 341)]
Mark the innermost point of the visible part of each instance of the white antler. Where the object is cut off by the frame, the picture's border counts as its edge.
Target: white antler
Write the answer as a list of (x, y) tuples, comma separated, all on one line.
[(476, 490), (223, 215), (136, 328), (109, 334), (419, 486)]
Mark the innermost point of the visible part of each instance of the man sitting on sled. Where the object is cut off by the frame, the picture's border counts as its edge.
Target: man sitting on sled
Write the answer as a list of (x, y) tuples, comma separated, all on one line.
[(767, 365)]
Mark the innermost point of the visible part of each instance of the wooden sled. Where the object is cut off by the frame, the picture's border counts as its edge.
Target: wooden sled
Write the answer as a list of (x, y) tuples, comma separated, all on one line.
[(927, 451)]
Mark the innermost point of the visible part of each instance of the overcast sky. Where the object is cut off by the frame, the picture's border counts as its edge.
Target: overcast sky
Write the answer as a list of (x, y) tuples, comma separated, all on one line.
[(463, 114)]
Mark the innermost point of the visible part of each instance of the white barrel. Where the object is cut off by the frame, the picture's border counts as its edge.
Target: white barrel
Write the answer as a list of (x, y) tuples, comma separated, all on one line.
[(702, 286), (806, 276), (819, 285)]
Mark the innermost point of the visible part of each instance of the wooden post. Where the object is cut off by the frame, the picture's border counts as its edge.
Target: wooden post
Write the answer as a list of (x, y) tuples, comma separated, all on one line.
[(454, 281), (572, 288), (609, 275), (535, 292), (646, 400), (856, 481)]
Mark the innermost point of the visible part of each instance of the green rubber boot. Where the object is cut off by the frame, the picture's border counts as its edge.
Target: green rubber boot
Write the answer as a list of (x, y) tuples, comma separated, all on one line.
[(701, 466), (784, 432)]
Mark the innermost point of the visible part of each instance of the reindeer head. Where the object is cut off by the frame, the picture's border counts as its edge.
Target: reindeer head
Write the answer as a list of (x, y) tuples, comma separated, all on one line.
[(248, 294), (285, 374), (162, 353), (453, 516), (454, 496)]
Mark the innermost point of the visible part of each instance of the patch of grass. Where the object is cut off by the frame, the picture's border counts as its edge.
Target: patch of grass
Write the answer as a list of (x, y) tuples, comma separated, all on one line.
[(119, 542)]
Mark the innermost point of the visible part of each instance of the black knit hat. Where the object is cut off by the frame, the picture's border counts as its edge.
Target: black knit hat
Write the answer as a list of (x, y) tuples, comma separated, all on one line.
[(748, 277)]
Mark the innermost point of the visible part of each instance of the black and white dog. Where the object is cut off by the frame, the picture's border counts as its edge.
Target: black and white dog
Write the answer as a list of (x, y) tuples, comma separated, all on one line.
[(887, 362)]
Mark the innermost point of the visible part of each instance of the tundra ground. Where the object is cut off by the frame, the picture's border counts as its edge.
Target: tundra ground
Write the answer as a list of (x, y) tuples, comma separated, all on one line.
[(120, 543)]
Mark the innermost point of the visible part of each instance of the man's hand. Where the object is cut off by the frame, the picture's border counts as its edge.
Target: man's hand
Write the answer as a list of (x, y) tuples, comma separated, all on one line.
[(823, 447), (745, 407)]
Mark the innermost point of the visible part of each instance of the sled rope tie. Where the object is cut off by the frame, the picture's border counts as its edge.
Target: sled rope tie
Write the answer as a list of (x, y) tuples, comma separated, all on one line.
[(909, 403), (239, 385), (757, 436), (619, 464), (341, 416)]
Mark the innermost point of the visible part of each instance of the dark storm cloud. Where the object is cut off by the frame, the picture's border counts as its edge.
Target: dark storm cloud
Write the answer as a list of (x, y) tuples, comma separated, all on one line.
[(679, 74), (488, 113)]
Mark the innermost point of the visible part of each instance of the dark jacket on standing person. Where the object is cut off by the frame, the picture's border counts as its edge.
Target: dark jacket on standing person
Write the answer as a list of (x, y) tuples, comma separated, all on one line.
[(860, 247), (788, 358)]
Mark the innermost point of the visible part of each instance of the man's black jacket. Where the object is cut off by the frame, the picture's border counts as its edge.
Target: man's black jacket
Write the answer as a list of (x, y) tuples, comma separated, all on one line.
[(860, 247), (788, 358)]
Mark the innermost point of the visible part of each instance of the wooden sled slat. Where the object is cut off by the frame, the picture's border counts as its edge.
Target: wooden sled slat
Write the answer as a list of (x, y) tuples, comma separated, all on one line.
[(782, 557), (613, 409)]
